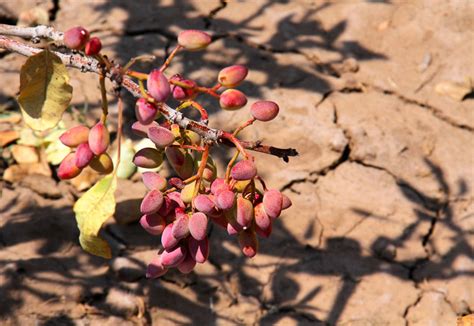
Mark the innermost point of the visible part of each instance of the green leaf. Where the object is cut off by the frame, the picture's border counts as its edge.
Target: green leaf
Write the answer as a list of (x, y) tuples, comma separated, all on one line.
[(45, 92), (92, 210)]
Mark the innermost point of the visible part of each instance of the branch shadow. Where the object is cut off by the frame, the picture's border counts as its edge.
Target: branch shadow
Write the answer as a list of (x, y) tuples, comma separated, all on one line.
[(58, 267), (155, 26), (152, 28)]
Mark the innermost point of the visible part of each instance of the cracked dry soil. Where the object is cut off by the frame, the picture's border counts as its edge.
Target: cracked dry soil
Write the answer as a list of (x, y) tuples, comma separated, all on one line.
[(381, 228)]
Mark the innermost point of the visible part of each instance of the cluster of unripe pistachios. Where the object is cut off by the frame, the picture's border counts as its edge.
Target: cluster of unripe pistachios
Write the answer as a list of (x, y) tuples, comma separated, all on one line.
[(89, 148), (182, 216), (181, 209)]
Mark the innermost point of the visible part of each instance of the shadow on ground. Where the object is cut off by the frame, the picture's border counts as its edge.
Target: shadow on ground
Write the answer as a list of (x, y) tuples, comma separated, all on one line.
[(290, 35), (59, 264)]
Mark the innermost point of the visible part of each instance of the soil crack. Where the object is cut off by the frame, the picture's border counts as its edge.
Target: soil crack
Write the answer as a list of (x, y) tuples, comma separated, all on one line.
[(435, 111), (410, 306)]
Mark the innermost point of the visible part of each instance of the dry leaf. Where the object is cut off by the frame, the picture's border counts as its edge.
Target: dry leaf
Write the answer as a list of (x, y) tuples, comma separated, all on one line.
[(45, 92), (24, 154), (11, 117), (8, 136), (17, 172)]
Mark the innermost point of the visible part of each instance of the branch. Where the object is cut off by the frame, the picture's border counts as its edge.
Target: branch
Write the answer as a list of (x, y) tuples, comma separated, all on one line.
[(115, 74), (32, 32)]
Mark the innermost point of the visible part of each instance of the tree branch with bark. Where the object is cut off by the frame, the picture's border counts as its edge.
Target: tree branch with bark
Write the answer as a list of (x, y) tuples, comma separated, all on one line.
[(117, 75)]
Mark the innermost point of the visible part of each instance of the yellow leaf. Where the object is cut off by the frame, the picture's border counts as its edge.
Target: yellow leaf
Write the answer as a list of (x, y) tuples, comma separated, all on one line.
[(55, 150), (92, 210), (95, 245), (44, 90)]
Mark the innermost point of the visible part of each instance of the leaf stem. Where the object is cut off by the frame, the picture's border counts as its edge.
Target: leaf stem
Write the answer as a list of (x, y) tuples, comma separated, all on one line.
[(197, 106)]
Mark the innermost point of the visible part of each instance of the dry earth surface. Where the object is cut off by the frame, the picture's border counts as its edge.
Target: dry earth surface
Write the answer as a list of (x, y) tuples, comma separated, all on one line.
[(381, 228)]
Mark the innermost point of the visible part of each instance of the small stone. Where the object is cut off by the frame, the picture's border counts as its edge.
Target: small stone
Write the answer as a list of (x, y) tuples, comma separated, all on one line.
[(350, 65), (122, 302), (127, 270), (43, 185)]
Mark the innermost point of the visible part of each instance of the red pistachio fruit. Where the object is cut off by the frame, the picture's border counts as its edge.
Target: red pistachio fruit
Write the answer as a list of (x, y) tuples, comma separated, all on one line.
[(145, 111), (232, 76), (158, 85), (68, 169), (264, 110), (194, 40), (76, 38), (75, 136), (244, 170), (232, 99), (93, 47), (84, 155), (99, 138)]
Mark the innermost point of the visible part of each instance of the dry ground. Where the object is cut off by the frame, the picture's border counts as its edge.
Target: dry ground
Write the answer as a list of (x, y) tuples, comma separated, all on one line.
[(381, 230)]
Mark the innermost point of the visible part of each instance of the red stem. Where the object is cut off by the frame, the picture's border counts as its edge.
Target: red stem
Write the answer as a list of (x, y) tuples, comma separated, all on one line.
[(192, 147), (206, 90), (244, 125), (202, 111), (237, 144), (170, 57)]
